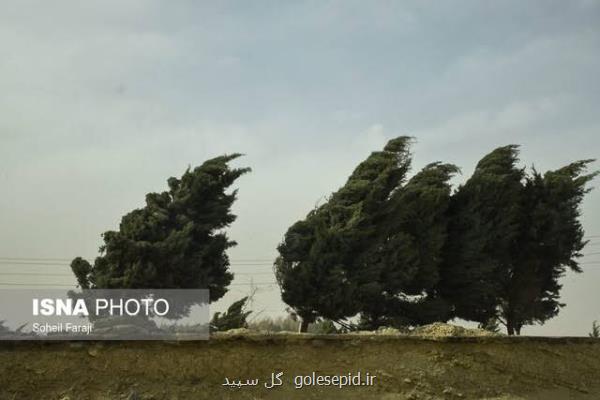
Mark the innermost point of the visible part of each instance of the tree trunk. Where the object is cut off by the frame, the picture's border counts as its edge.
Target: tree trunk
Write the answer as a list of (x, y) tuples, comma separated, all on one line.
[(513, 326), (303, 326), (510, 329)]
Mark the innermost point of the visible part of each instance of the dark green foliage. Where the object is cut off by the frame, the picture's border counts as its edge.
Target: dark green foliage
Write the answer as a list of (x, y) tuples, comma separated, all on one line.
[(373, 247), (512, 235), (233, 318), (409, 252), (400, 267), (483, 229), (175, 241), (550, 241), (314, 283), (317, 268)]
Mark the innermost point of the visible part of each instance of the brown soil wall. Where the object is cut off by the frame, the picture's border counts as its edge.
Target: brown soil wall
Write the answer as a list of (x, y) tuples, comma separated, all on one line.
[(405, 368)]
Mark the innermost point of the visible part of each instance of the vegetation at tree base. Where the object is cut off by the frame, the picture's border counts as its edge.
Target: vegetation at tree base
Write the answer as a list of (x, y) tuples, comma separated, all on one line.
[(176, 240), (233, 318), (323, 327), (491, 325), (290, 324), (406, 252), (595, 333), (4, 330), (277, 324)]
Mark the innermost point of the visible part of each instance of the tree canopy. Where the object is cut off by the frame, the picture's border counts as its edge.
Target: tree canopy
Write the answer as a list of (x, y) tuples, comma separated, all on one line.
[(363, 251), (512, 236), (176, 240), (484, 221), (408, 251), (318, 268), (404, 256)]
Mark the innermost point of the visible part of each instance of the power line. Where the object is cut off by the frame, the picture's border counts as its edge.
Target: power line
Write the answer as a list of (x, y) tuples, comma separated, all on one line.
[(44, 259), (43, 264), (234, 261), (232, 265), (35, 284), (73, 285), (35, 259), (54, 264), (254, 283), (49, 261), (33, 273), (252, 273), (265, 283), (71, 275), (235, 273), (268, 259), (248, 274)]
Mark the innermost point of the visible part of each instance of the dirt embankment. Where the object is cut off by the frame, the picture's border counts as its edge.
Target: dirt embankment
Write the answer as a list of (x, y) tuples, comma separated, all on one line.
[(405, 368)]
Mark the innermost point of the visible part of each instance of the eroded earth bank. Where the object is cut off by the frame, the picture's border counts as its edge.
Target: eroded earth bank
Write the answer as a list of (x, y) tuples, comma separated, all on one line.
[(405, 368)]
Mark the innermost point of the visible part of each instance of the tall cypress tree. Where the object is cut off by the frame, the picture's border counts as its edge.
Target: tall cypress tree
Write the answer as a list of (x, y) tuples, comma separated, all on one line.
[(374, 248), (512, 235), (549, 243), (318, 269), (483, 229), (402, 264)]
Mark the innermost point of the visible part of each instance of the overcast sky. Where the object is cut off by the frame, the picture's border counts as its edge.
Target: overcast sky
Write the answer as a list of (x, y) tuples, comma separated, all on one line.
[(102, 101)]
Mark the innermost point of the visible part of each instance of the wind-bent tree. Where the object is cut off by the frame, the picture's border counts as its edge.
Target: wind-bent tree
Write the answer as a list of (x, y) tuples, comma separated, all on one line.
[(595, 333), (374, 248), (401, 252), (512, 235), (401, 266), (483, 230), (175, 241), (234, 318), (549, 242), (318, 269)]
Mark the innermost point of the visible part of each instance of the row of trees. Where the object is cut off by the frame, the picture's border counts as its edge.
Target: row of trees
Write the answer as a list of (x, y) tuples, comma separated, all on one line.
[(401, 251), (393, 249)]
